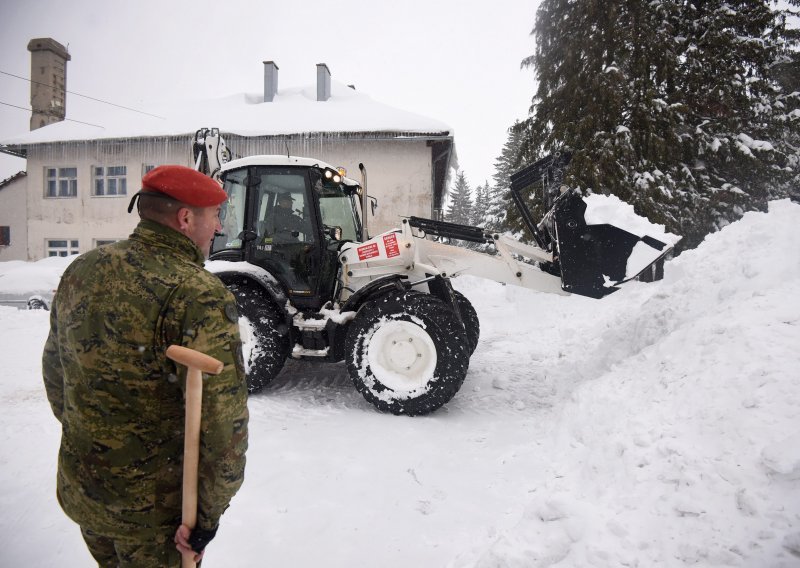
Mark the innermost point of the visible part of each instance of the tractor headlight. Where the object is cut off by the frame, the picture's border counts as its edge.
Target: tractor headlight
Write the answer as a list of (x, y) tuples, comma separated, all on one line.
[(333, 175)]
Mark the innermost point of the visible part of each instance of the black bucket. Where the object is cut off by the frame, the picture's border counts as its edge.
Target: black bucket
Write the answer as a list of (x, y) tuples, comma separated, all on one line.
[(593, 259)]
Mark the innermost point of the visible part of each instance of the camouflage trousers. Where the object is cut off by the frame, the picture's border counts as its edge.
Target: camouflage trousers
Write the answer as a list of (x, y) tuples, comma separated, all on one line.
[(156, 552)]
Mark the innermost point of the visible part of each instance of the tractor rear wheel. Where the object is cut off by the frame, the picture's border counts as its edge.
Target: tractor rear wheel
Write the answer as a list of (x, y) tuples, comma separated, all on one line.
[(407, 353), (265, 347)]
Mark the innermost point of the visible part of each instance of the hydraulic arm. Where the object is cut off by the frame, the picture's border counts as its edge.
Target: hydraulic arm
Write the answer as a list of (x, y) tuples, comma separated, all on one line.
[(570, 256)]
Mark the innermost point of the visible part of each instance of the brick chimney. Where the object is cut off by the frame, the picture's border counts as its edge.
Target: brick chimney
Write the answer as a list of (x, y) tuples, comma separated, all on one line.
[(270, 81), (48, 81), (323, 82)]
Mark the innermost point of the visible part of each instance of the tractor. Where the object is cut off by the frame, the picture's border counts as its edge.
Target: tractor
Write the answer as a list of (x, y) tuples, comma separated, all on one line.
[(311, 283)]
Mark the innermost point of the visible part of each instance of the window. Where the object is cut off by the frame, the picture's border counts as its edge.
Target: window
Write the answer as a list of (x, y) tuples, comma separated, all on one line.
[(5, 236), (101, 242), (110, 181), (61, 182), (61, 247), (283, 215), (146, 168), (231, 214)]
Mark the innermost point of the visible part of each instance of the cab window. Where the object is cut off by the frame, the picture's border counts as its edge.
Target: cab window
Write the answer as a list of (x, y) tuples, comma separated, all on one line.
[(284, 215), (231, 214)]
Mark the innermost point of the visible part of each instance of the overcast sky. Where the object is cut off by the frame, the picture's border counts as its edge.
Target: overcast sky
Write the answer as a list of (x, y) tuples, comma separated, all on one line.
[(457, 61)]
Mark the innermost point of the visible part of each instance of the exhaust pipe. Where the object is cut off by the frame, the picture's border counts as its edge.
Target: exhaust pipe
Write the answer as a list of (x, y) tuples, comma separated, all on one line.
[(364, 201)]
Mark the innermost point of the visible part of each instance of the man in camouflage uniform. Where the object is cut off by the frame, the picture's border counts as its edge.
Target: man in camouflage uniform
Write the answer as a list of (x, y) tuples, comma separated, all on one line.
[(119, 399)]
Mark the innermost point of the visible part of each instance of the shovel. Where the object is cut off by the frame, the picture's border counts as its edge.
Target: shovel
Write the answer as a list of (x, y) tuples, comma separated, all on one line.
[(196, 364)]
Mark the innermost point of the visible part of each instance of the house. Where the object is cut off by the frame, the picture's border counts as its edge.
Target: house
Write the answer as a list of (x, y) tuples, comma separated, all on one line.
[(81, 176), (13, 233)]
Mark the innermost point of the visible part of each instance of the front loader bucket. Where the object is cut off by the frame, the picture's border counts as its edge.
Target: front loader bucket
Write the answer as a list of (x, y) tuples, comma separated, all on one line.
[(594, 259)]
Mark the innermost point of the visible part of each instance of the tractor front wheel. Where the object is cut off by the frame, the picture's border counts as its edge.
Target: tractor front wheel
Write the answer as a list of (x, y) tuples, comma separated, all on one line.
[(407, 353), (265, 345)]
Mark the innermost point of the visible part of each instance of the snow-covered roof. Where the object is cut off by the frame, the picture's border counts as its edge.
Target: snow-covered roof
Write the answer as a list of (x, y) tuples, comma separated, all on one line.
[(293, 111), (11, 179)]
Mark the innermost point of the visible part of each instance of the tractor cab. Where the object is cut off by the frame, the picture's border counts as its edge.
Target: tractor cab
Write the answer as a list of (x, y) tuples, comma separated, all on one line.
[(289, 216)]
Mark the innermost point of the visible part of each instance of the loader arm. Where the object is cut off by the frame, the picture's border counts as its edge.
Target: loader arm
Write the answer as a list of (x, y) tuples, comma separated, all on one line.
[(570, 256), (450, 261), (409, 254)]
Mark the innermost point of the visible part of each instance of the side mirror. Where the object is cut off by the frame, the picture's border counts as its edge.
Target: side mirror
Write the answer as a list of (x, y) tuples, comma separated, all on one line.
[(334, 233), (248, 236), (373, 204)]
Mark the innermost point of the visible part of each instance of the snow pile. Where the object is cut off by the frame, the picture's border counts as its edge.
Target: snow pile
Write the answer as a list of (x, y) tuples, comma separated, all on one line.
[(19, 277), (680, 443), (610, 209), (659, 426)]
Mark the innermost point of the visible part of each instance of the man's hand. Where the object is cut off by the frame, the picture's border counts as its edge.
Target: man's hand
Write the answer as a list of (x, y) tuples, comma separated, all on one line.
[(182, 536)]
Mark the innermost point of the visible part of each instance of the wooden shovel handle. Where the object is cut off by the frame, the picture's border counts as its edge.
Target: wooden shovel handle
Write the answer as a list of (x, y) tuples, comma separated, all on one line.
[(197, 363), (194, 359)]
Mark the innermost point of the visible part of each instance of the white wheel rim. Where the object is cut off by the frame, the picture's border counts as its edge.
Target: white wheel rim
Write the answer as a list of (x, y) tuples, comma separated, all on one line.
[(402, 356)]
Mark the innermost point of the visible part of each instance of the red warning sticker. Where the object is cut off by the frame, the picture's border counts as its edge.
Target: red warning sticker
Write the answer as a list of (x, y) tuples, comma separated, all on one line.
[(368, 251), (392, 248)]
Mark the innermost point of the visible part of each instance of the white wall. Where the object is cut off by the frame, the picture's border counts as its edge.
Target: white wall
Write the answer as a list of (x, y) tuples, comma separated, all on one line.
[(85, 217), (13, 214), (399, 169), (399, 176)]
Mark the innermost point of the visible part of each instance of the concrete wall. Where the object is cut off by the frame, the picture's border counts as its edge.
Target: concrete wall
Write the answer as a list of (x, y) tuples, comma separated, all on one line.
[(399, 170), (399, 176), (86, 217), (13, 211)]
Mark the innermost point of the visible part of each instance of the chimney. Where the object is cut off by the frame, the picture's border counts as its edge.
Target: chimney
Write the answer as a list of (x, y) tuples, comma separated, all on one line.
[(48, 81), (270, 81), (323, 82)]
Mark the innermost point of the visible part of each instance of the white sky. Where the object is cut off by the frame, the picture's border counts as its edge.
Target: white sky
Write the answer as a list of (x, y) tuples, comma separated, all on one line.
[(453, 61)]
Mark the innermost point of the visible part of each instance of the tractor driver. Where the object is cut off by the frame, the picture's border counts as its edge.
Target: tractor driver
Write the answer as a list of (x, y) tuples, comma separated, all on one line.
[(286, 225)]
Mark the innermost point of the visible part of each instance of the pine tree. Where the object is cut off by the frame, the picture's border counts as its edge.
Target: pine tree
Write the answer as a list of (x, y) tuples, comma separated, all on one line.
[(732, 151), (502, 215), (629, 88), (480, 210), (460, 208), (787, 74)]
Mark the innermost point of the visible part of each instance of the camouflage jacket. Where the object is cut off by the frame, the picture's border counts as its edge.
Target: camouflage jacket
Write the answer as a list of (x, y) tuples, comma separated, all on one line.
[(120, 400)]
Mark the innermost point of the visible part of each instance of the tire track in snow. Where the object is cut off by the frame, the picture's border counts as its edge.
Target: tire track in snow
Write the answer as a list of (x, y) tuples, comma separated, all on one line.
[(305, 388)]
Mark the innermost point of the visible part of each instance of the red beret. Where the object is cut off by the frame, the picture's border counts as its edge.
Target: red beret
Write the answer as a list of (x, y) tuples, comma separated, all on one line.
[(185, 185)]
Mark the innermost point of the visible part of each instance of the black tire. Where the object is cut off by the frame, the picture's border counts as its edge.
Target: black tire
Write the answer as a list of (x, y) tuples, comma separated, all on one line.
[(270, 345), (414, 329), (37, 304), (469, 317)]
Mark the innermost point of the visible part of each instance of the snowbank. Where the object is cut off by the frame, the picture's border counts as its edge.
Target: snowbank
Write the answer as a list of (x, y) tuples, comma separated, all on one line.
[(42, 276)]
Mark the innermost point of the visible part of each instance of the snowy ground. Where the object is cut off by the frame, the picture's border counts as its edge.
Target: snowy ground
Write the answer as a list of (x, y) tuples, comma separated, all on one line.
[(657, 427)]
